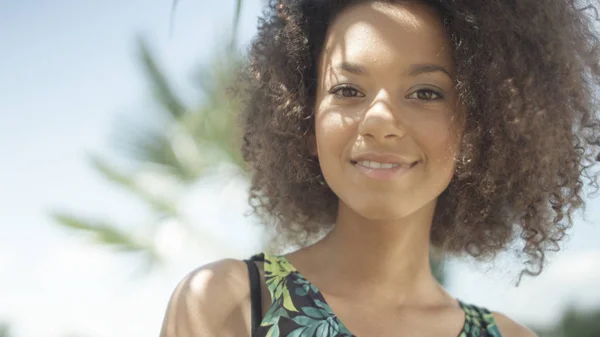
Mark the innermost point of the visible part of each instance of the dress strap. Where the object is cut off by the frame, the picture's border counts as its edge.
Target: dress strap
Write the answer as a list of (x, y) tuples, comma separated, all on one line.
[(255, 295)]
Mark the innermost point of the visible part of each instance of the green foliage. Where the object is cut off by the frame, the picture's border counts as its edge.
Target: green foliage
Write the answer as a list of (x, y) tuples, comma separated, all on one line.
[(4, 330), (574, 323), (168, 158), (105, 233), (437, 269), (236, 23), (159, 202), (162, 90)]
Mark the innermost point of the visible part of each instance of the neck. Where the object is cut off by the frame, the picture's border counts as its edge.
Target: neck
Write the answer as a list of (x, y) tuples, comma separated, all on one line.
[(378, 257)]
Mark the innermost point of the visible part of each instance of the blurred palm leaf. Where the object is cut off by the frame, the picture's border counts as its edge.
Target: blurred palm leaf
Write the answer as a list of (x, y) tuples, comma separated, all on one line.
[(236, 23), (160, 147), (214, 122), (170, 157), (157, 197), (104, 233), (193, 139), (162, 90)]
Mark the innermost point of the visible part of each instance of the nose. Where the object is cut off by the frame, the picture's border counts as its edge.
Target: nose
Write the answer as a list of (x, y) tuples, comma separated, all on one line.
[(380, 122)]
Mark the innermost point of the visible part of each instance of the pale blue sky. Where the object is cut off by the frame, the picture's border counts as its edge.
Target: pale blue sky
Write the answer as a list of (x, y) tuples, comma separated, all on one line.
[(68, 76)]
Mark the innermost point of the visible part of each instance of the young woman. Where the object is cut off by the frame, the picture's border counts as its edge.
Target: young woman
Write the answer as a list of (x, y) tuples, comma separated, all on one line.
[(399, 128)]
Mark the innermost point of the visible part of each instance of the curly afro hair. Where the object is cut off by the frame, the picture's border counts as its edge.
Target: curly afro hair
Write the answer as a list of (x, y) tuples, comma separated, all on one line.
[(527, 71)]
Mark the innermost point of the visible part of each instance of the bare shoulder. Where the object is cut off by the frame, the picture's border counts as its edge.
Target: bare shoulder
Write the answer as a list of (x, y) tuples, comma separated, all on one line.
[(510, 328), (212, 300)]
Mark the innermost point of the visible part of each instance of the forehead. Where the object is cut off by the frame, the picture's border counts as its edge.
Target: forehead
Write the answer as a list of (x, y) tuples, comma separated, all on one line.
[(388, 34)]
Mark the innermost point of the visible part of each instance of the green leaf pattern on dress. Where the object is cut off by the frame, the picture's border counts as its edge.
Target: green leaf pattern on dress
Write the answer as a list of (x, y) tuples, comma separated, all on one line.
[(298, 309), (479, 322), (289, 291)]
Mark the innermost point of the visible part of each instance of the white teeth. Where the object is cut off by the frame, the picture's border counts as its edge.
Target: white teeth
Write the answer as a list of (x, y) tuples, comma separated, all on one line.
[(376, 165)]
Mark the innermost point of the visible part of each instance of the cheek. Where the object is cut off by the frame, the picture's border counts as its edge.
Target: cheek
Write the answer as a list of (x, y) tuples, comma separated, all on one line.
[(438, 138), (334, 131), (440, 145)]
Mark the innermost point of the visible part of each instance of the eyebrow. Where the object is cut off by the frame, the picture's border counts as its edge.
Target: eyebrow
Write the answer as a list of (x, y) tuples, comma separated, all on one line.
[(352, 68), (415, 69)]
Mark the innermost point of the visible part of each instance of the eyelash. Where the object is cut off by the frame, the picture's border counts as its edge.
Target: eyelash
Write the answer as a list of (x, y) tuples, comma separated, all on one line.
[(338, 88), (439, 95), (336, 91)]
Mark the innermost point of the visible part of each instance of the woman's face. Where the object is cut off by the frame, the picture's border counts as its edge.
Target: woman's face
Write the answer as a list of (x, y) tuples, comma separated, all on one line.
[(387, 122)]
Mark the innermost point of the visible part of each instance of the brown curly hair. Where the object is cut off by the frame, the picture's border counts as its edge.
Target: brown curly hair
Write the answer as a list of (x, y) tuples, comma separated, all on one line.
[(527, 71)]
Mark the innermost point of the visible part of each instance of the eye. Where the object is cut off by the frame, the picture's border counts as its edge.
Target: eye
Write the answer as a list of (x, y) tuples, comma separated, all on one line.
[(427, 95), (346, 91)]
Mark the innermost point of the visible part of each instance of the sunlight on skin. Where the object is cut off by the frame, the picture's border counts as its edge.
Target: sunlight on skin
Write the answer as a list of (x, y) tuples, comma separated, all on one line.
[(362, 52)]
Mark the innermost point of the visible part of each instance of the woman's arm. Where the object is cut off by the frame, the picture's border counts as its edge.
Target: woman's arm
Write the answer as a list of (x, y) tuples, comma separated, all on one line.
[(211, 301), (510, 328)]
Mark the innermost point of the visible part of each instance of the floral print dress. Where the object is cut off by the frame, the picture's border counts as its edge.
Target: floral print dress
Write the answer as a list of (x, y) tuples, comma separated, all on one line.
[(298, 308)]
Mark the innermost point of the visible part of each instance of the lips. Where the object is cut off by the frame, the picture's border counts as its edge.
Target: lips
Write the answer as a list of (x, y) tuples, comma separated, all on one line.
[(376, 165), (382, 166), (384, 174), (375, 160)]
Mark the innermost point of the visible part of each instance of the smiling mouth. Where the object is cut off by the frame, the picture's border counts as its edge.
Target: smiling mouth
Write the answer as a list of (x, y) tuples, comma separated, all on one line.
[(383, 171), (368, 164)]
